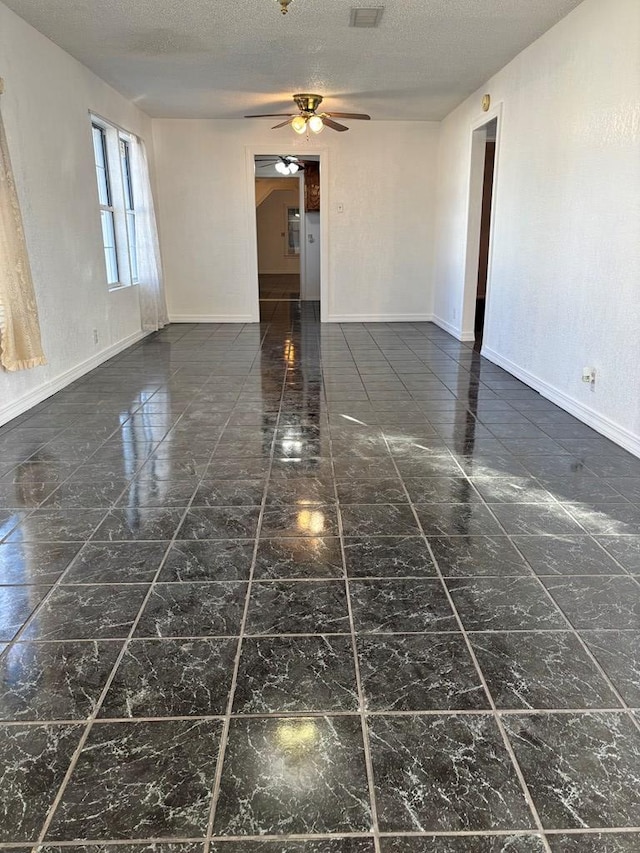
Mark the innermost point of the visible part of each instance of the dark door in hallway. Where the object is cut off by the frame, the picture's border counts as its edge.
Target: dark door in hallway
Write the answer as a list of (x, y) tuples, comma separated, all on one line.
[(485, 235)]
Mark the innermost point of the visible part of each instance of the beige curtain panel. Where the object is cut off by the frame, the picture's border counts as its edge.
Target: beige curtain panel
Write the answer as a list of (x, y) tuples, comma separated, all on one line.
[(20, 345)]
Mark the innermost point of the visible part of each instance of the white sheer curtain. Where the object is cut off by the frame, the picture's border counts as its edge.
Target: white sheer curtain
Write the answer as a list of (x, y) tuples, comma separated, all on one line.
[(20, 344), (153, 306)]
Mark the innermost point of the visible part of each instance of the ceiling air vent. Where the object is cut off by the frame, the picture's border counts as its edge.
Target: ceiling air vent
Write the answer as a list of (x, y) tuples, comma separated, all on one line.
[(370, 17)]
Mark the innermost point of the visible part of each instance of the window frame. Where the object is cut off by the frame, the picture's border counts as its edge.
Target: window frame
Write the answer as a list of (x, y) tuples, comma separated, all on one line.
[(121, 200)]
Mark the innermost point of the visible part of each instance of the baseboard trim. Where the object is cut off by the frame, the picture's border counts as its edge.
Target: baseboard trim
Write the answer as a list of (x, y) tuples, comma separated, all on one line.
[(630, 441), (52, 386), (464, 337), (378, 318), (212, 318)]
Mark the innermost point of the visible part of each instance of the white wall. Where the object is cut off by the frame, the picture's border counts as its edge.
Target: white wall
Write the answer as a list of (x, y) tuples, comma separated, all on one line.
[(45, 109), (564, 289), (380, 257)]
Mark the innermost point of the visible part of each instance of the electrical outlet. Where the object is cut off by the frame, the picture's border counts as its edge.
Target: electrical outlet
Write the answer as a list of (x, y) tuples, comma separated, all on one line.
[(95, 336), (589, 376)]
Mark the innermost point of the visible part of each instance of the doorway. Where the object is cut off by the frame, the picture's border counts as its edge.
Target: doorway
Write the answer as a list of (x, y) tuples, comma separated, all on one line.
[(481, 204), (288, 232)]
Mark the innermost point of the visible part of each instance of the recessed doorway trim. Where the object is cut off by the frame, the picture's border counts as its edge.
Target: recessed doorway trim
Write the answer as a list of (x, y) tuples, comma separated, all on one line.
[(299, 149), (474, 212)]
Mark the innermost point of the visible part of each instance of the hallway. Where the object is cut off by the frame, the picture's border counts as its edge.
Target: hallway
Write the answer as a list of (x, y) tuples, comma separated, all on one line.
[(349, 584)]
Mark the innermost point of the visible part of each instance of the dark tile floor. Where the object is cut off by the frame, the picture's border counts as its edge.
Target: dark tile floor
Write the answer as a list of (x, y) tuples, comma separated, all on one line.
[(292, 588)]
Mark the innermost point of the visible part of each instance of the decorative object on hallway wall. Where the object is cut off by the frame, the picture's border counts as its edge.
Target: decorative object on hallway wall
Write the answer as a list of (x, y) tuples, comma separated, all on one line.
[(20, 343), (312, 187), (284, 6), (307, 119), (153, 306), (486, 102)]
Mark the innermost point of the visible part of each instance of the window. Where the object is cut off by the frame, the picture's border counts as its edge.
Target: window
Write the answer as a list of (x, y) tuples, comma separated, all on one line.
[(293, 231), (129, 208), (112, 150), (106, 208)]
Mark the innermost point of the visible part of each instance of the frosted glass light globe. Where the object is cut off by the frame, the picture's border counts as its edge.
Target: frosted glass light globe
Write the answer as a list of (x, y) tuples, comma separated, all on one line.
[(316, 125), (299, 124)]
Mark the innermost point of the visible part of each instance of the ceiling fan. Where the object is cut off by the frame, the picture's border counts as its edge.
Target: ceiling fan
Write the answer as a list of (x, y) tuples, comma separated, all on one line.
[(285, 164), (307, 119)]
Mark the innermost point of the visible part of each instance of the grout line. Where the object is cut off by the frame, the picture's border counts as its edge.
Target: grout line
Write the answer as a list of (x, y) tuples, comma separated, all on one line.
[(84, 737), (356, 663), (525, 790), (224, 737)]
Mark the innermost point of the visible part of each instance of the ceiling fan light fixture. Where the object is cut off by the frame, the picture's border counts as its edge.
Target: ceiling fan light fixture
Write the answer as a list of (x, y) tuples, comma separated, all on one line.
[(281, 168), (299, 124), (293, 168), (316, 125)]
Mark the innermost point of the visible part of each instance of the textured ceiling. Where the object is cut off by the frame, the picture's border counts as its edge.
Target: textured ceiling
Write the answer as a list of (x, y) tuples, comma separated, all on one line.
[(224, 58)]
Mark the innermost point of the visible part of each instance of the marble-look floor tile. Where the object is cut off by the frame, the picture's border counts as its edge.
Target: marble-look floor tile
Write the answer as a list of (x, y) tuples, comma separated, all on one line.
[(293, 775), (116, 562), (85, 494), (624, 549), (597, 602), (304, 520), (87, 612), (33, 762), (387, 557), (298, 607), (448, 490), (463, 519), (54, 681), (463, 844), (504, 604), (400, 606), (223, 522), (35, 562), (618, 653), (583, 770), (299, 557), (511, 490), (540, 670), (146, 523), (140, 780), (444, 773), (17, 603), (57, 525), (597, 842), (566, 555), (229, 493), (534, 519), (378, 520), (139, 847), (606, 518), (193, 610), (307, 490), (419, 672), (477, 556), (296, 674), (325, 845), (208, 560), (172, 678), (147, 492), (388, 491)]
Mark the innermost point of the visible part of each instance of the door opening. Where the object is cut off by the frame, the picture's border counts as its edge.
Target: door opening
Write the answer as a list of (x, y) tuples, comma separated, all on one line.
[(287, 233), (485, 229), (481, 203)]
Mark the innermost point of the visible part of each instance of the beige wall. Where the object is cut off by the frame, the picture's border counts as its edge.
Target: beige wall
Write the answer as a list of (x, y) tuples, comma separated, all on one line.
[(271, 222)]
